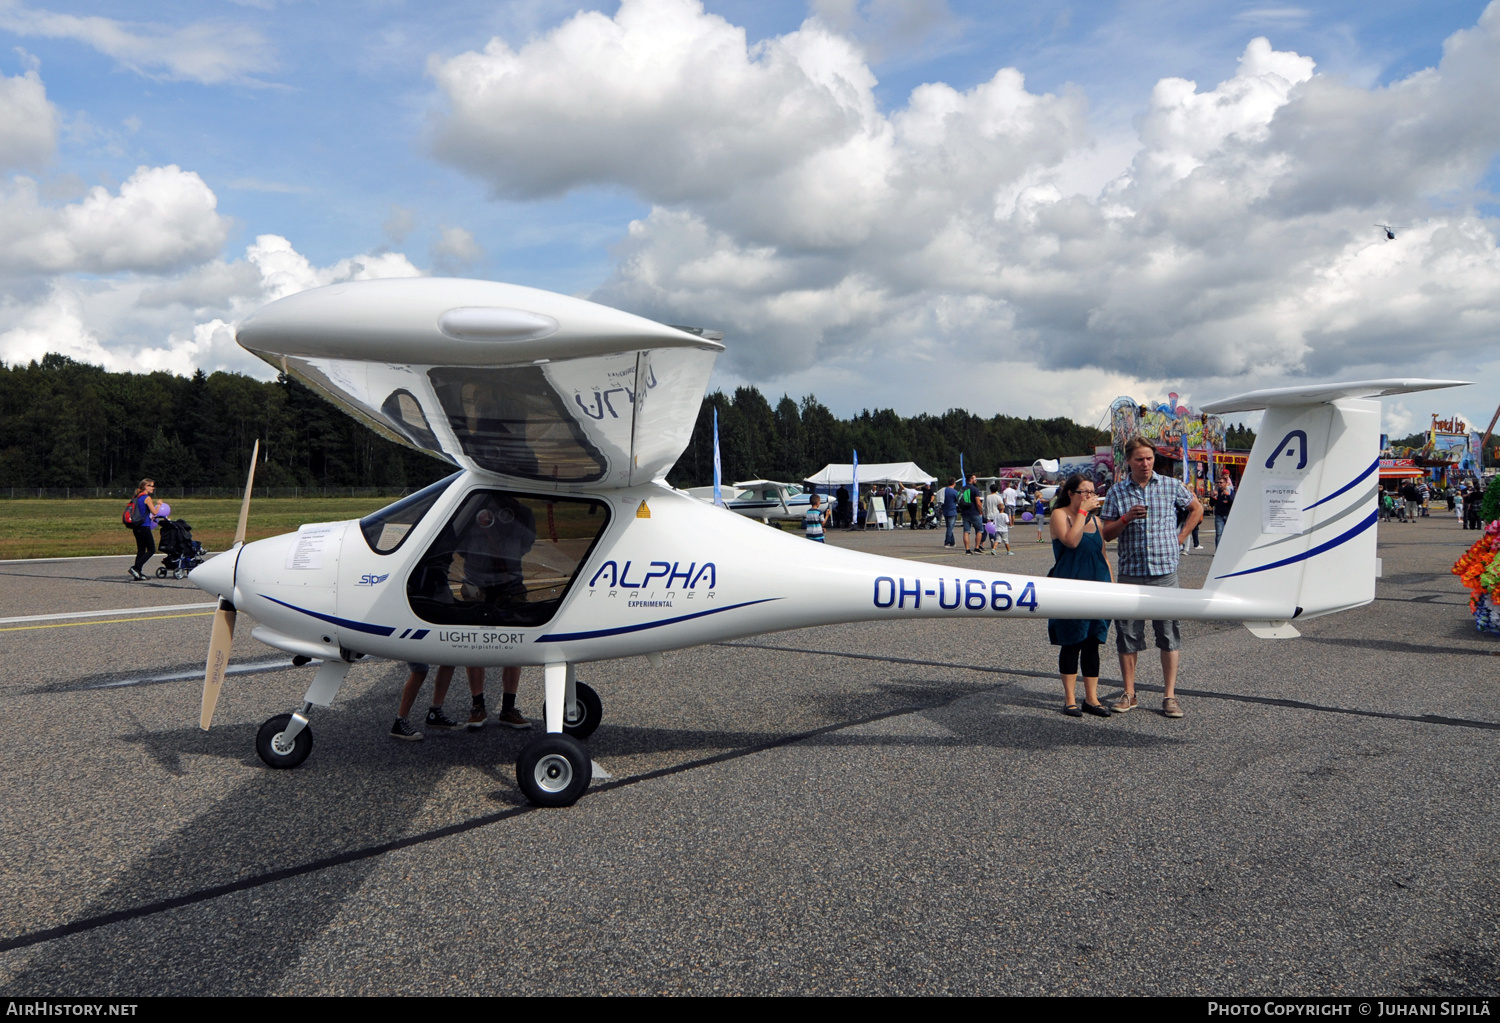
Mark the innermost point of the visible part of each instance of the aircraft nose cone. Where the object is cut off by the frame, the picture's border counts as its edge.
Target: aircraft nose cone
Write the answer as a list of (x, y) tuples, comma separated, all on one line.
[(216, 575)]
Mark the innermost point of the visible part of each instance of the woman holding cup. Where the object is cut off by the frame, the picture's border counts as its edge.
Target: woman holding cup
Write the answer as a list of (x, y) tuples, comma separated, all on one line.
[(1078, 547)]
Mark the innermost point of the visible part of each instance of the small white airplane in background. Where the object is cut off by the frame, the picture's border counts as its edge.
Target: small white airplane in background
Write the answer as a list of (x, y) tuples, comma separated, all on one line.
[(767, 500), (559, 543)]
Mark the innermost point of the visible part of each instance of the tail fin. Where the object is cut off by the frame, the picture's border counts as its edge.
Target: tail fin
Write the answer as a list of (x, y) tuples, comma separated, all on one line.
[(1302, 531)]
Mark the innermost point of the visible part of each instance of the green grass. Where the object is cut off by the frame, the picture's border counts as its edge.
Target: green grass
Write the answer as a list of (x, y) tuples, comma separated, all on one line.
[(74, 528)]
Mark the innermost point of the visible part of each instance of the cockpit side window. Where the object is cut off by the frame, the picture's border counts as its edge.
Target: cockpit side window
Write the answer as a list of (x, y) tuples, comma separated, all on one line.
[(387, 529), (505, 559)]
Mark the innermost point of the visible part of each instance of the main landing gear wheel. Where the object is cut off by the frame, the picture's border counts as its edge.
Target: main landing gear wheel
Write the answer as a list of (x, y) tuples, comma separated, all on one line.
[(583, 717), (554, 771), (275, 750)]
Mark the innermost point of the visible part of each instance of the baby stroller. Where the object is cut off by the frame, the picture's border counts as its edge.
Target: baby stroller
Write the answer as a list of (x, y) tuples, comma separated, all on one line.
[(930, 520), (181, 552)]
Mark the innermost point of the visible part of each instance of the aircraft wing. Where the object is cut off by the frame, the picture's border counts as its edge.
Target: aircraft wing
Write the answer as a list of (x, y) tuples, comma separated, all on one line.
[(509, 381)]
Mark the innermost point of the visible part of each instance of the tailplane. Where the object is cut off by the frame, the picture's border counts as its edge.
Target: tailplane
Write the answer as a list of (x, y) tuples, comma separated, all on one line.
[(1301, 535)]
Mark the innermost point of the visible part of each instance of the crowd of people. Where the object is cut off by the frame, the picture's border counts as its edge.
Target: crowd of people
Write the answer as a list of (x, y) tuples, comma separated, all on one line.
[(1415, 499), (1153, 520)]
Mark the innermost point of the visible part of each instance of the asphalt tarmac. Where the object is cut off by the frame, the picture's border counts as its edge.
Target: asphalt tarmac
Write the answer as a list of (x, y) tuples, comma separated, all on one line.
[(867, 809)]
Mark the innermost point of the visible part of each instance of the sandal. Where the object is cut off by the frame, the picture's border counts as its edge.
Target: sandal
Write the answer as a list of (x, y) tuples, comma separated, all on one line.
[(1072, 710)]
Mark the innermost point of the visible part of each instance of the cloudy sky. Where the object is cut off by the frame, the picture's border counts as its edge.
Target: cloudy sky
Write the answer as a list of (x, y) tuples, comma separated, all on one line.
[(1021, 207)]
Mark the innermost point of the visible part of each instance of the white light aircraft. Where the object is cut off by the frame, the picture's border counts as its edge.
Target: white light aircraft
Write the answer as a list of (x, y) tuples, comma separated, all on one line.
[(559, 543), (766, 500)]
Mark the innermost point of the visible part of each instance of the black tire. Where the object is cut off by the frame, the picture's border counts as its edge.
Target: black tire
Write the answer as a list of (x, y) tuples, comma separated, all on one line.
[(588, 713), (161, 572), (554, 771), (270, 755)]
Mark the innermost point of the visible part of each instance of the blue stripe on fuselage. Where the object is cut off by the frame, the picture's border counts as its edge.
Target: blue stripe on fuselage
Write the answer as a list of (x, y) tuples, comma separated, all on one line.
[(374, 630), (564, 637)]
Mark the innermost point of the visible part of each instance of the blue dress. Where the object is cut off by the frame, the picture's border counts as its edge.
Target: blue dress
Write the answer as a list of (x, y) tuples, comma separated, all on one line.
[(1086, 561)]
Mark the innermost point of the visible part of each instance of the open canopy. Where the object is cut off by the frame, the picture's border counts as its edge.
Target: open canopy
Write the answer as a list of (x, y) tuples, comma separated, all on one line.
[(836, 474)]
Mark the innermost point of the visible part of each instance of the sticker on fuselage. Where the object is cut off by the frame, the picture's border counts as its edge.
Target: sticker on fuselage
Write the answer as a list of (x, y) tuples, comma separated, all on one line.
[(613, 581), (954, 594), (480, 639)]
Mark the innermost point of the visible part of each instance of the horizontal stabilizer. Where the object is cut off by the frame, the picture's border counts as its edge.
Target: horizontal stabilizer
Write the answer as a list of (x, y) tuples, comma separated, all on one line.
[(1280, 397)]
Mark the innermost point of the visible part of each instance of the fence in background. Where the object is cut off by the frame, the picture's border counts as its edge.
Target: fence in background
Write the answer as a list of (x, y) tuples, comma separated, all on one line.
[(169, 494)]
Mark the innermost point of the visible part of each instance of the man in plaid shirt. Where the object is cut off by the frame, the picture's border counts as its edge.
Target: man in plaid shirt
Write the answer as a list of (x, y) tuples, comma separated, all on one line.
[(1141, 512)]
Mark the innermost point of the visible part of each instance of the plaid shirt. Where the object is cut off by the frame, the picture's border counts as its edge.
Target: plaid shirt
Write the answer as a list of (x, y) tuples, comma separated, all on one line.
[(1148, 547)]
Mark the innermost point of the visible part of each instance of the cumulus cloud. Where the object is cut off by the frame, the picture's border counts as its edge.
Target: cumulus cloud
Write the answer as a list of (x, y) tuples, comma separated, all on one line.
[(1231, 238), (28, 122), (210, 52), (455, 250), (161, 218), (662, 98), (176, 323)]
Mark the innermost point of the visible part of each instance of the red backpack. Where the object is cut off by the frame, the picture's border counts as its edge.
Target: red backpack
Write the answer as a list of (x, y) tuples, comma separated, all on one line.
[(133, 516)]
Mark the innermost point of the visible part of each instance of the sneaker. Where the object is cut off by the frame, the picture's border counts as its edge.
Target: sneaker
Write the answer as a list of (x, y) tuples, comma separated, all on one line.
[(437, 719), (402, 729), (1197, 546), (512, 718), (136, 574), (477, 717), (1169, 708), (1009, 553), (992, 552), (1124, 703)]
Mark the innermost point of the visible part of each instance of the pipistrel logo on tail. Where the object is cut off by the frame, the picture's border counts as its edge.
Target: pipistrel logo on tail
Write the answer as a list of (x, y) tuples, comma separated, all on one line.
[(1294, 443), (372, 580)]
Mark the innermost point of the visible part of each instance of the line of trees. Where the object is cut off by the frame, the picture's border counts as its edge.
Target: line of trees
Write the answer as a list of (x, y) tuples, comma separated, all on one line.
[(794, 440), (68, 424)]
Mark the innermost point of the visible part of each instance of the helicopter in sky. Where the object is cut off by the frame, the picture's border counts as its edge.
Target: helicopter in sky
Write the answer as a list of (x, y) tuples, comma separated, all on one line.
[(1390, 232), (558, 542)]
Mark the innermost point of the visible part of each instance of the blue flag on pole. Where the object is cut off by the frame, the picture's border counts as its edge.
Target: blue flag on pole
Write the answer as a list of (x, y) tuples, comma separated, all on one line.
[(718, 473), (854, 511), (961, 477)]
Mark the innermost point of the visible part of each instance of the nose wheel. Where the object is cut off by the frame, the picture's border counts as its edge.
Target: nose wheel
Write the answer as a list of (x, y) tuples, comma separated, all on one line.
[(555, 770), (280, 750), (583, 716)]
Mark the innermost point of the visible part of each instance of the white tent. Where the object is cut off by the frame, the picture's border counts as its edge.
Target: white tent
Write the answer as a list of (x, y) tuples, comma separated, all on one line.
[(837, 474)]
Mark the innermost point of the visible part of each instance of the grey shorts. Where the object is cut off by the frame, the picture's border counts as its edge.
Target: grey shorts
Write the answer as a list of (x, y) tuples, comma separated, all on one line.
[(1130, 636)]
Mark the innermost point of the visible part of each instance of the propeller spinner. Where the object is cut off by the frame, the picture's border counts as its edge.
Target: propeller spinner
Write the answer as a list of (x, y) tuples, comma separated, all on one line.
[(217, 576)]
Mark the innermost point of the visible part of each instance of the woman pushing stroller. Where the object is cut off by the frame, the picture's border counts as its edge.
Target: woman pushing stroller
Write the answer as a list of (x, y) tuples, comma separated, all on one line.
[(140, 517)]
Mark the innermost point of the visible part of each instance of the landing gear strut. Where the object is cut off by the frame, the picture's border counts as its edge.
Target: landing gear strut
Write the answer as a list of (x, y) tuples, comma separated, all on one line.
[(556, 769), (581, 715), (285, 740)]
